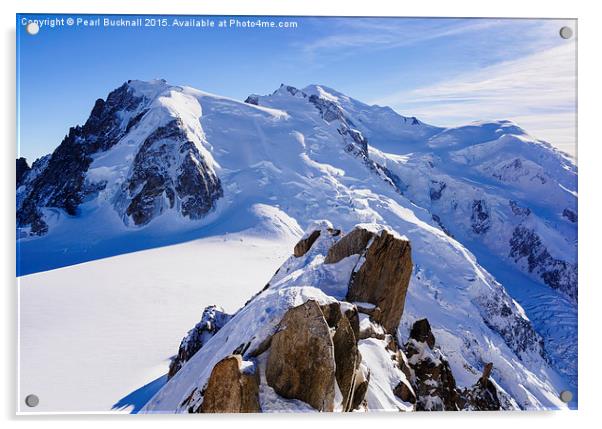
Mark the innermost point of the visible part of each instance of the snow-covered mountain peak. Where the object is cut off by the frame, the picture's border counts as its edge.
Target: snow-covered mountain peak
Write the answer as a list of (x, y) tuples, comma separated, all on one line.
[(149, 89)]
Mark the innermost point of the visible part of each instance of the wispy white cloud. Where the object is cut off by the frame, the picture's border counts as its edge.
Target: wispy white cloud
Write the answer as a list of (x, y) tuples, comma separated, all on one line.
[(387, 34), (537, 91)]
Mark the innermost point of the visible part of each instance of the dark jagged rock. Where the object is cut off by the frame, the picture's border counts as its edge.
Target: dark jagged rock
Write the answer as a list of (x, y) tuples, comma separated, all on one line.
[(421, 332), (436, 189), (151, 186), (301, 361), (570, 215), (22, 169), (362, 382), (480, 217), (213, 319), (525, 245), (232, 388), (383, 277), (404, 391), (434, 383)]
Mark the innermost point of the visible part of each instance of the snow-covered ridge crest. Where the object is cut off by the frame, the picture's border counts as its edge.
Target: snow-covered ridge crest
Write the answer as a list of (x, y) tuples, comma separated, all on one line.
[(385, 379)]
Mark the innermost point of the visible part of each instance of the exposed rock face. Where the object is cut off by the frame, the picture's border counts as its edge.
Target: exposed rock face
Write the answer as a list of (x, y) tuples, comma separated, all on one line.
[(480, 217), (383, 277), (436, 189), (526, 247), (22, 169), (353, 243), (518, 210), (233, 387), (347, 359), (213, 319), (384, 271), (301, 361), (303, 246), (152, 186), (517, 331), (62, 182)]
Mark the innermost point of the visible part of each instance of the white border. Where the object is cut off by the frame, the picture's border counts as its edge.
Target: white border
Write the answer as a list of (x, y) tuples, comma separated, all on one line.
[(589, 189)]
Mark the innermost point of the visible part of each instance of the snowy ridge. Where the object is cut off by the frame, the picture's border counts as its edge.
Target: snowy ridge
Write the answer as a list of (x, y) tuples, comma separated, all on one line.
[(466, 341)]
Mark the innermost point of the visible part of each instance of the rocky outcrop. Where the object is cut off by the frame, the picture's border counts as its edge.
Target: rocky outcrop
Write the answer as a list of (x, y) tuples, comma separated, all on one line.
[(436, 189), (213, 319), (303, 246), (252, 99), (383, 277), (433, 380), (434, 383), (484, 395), (152, 186), (233, 387), (480, 217), (326, 352), (301, 361), (305, 243), (353, 243)]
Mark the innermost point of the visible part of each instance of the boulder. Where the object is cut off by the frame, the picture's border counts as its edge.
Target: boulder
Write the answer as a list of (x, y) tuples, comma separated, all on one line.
[(301, 362), (233, 387), (383, 277), (353, 243)]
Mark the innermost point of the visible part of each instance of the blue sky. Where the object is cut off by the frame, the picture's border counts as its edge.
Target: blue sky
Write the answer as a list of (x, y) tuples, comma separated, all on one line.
[(445, 71)]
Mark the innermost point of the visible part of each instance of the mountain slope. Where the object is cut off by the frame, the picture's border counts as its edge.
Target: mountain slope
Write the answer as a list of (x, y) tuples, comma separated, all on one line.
[(176, 164)]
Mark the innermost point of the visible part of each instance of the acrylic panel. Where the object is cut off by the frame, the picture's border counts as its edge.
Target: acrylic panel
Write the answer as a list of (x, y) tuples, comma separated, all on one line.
[(220, 214)]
